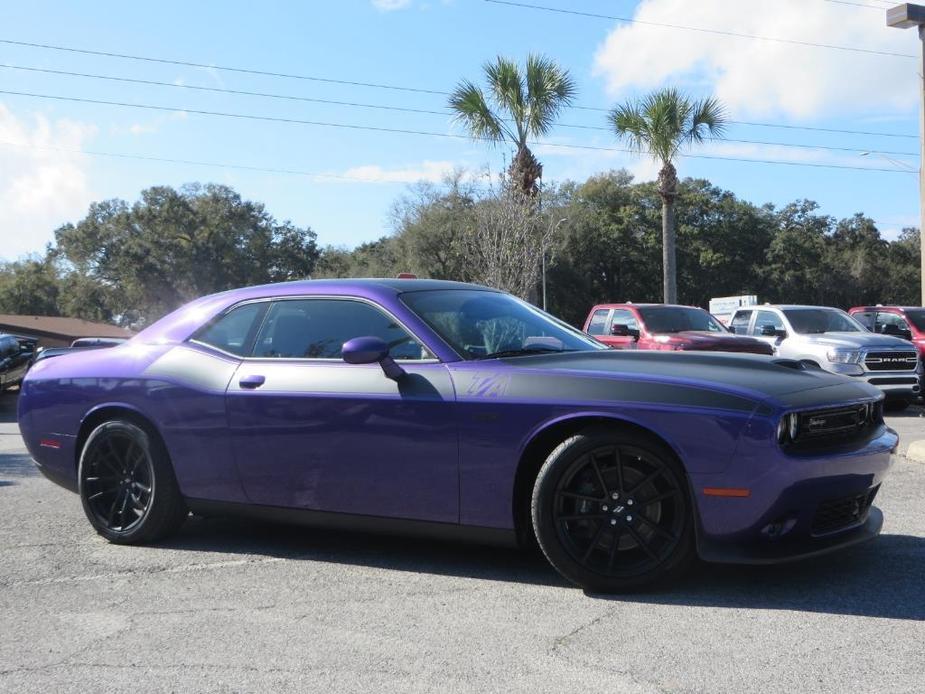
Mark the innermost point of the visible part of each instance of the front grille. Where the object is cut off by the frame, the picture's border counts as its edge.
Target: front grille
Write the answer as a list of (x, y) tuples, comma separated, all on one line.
[(838, 514), (894, 381), (843, 423), (890, 361)]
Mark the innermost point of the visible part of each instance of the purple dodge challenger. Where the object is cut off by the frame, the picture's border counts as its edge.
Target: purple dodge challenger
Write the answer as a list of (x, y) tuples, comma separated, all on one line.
[(425, 406)]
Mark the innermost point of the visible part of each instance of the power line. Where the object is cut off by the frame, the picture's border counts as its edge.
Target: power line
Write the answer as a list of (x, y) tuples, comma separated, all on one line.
[(166, 160), (376, 85), (719, 32), (244, 167), (221, 90), (857, 4), (224, 68), (289, 97), (406, 131)]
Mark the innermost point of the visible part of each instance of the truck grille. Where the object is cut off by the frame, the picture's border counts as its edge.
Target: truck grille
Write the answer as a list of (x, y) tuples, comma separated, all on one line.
[(838, 514), (890, 361)]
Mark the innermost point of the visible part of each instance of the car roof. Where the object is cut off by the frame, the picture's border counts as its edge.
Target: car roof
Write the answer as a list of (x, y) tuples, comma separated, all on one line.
[(887, 307), (782, 307), (399, 286), (632, 305)]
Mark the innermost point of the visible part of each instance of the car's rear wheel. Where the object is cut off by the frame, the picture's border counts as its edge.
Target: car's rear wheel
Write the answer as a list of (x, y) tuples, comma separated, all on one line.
[(127, 486), (611, 511)]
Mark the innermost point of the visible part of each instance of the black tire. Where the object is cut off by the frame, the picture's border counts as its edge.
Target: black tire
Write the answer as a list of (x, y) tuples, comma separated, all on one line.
[(126, 483), (896, 404), (604, 544)]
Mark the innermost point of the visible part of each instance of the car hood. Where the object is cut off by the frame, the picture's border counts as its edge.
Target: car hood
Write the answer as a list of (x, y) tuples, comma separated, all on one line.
[(707, 378), (697, 339), (858, 340)]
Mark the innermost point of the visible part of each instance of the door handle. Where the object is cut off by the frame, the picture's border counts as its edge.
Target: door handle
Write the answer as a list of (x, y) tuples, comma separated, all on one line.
[(252, 381)]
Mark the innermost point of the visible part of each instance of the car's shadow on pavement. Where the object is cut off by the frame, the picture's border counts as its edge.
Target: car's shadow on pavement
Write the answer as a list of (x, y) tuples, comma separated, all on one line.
[(8, 405), (880, 579)]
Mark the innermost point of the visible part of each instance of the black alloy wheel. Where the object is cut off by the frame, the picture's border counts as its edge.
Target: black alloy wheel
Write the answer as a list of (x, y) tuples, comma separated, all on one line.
[(126, 484), (611, 511)]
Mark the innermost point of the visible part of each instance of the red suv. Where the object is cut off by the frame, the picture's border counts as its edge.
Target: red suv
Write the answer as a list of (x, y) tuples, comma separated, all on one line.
[(907, 322), (666, 327)]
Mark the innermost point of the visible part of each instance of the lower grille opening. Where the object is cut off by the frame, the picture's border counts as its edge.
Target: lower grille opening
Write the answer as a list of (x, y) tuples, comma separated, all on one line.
[(839, 514)]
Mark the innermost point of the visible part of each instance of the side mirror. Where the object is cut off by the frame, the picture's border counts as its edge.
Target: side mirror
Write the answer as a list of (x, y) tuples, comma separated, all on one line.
[(369, 350), (623, 330), (771, 331)]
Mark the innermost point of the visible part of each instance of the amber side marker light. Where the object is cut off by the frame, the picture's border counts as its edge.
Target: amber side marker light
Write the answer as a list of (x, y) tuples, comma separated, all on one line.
[(726, 491)]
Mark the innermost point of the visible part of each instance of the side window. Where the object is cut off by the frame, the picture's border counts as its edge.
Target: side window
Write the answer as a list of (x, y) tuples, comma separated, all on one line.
[(622, 316), (598, 323), (230, 333), (865, 318), (767, 318), (318, 328), (739, 323)]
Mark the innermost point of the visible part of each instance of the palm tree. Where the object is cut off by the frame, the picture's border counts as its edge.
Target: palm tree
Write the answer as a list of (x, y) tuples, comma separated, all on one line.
[(661, 124), (518, 106)]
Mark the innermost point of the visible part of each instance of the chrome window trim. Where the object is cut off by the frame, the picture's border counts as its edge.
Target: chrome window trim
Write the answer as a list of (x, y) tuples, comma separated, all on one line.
[(324, 360)]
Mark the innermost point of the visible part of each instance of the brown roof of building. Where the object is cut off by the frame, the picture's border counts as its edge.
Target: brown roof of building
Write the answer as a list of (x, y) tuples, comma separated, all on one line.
[(59, 325)]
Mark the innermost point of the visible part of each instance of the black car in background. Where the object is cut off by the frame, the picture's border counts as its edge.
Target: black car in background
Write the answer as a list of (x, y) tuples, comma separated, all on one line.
[(79, 344), (15, 358)]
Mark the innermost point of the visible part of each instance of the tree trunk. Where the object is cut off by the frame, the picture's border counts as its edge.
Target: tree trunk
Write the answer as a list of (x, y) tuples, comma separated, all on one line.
[(668, 190), (526, 171)]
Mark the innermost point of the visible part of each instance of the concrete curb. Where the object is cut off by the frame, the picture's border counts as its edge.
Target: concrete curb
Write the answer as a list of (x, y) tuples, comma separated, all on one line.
[(916, 451)]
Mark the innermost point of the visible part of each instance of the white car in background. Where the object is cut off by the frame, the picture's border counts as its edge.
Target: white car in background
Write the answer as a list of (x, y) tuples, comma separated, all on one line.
[(830, 339)]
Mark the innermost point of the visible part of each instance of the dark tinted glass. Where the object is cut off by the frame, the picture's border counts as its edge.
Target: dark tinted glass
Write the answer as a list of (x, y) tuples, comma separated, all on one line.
[(598, 322), (318, 329), (478, 324), (230, 332), (917, 318), (815, 321), (676, 319), (740, 321)]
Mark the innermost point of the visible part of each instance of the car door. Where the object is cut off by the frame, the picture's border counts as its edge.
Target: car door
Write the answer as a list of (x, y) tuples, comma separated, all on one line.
[(740, 321), (769, 320), (599, 325), (623, 317), (313, 432), (888, 323)]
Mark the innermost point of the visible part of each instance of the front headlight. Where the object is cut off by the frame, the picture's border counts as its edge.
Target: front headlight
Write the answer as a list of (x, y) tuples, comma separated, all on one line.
[(788, 427), (844, 356)]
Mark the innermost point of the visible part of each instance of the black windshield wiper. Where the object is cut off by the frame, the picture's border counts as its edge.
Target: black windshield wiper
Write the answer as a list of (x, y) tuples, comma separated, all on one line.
[(522, 352)]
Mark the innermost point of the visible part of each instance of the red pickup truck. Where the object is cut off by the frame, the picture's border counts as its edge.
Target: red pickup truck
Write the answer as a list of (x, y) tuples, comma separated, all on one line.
[(666, 327), (907, 322)]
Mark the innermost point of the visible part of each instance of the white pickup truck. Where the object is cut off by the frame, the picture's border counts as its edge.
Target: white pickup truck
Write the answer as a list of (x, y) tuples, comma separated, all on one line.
[(832, 340)]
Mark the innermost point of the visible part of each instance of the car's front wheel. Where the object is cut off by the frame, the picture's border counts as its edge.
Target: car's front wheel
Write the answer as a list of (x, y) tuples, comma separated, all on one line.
[(611, 511), (127, 486)]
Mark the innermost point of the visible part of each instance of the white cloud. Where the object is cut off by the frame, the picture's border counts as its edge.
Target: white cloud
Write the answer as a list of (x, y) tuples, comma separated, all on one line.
[(41, 184), (431, 171), (391, 5), (755, 77)]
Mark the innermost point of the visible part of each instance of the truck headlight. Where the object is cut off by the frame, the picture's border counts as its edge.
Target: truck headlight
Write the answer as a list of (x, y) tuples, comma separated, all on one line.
[(839, 356)]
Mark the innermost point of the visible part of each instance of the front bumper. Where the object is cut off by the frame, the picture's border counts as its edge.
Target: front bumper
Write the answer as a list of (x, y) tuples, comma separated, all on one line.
[(798, 505)]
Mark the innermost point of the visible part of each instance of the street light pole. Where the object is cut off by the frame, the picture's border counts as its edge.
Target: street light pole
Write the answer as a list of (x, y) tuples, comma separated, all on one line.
[(903, 17)]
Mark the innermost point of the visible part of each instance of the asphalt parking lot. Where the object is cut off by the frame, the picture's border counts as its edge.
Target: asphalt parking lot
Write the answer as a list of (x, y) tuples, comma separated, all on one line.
[(237, 606)]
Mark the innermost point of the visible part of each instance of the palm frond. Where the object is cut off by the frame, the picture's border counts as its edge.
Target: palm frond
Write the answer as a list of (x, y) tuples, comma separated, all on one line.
[(549, 89), (471, 109), (666, 120), (508, 90)]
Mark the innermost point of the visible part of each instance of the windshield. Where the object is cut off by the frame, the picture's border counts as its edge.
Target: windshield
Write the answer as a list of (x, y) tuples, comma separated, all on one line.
[(676, 319), (917, 318), (814, 321), (481, 324)]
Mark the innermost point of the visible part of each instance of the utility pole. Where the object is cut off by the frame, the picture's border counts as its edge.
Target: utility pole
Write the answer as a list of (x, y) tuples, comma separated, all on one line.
[(903, 17)]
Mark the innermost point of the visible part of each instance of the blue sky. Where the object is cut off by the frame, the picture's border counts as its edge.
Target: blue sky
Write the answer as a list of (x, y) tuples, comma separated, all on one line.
[(44, 181)]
